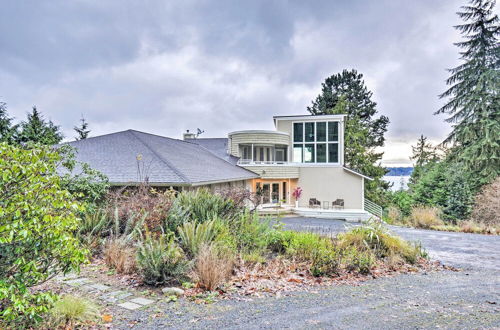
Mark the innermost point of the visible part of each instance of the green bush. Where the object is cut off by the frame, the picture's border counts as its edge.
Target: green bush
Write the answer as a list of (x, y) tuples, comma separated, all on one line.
[(375, 238), (249, 232), (161, 260), (193, 235), (310, 247), (202, 205), (37, 221)]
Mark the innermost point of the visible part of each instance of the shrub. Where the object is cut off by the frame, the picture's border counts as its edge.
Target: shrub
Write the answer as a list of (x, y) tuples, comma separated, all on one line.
[(144, 202), (213, 266), (161, 260), (393, 215), (92, 227), (402, 200), (71, 311), (193, 235), (426, 217), (374, 237), (250, 232), (202, 205), (487, 205), (84, 182), (319, 251), (37, 222), (120, 255)]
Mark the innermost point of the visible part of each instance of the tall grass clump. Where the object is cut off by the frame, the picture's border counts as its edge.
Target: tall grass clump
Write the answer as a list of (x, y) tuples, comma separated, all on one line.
[(375, 238), (426, 217), (213, 266), (70, 311)]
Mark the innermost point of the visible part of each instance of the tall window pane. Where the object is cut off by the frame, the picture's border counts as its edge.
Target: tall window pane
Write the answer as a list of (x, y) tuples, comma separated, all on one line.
[(321, 132), (297, 153), (333, 152), (309, 132), (321, 153), (298, 133), (309, 153), (333, 131)]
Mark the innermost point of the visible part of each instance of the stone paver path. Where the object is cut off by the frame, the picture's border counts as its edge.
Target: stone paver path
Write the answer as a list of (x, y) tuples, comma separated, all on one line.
[(106, 293)]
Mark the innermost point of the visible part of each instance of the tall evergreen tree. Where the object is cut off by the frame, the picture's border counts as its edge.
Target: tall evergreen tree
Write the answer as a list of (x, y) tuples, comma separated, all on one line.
[(37, 130), (473, 103), (7, 130), (422, 153), (346, 93), (82, 130)]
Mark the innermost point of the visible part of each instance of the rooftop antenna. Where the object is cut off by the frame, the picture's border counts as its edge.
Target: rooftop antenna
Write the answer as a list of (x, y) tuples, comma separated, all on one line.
[(199, 132)]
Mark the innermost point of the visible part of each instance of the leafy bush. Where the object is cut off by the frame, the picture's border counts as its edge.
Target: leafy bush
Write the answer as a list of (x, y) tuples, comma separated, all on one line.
[(120, 255), (426, 217), (71, 311), (394, 216), (161, 260), (93, 227), (487, 205), (213, 266), (37, 221), (250, 233), (87, 184), (309, 247), (402, 200)]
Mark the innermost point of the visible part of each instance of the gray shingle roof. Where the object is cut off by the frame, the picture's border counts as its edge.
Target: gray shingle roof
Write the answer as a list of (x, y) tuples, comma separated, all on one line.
[(163, 160), (218, 146)]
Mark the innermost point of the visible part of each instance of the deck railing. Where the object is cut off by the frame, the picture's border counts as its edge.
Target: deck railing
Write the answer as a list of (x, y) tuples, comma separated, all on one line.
[(373, 208)]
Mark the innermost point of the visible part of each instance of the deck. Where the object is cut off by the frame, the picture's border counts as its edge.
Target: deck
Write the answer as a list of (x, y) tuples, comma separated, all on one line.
[(349, 215)]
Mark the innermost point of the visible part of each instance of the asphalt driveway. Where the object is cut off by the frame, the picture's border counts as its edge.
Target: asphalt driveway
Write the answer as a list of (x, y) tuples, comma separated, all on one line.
[(468, 298)]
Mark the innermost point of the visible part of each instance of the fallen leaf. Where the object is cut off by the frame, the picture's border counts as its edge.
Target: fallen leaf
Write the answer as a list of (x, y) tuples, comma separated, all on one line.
[(107, 318)]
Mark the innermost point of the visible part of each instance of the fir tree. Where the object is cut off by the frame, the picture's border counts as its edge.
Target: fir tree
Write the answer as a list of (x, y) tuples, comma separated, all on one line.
[(346, 93), (36, 130), (7, 130), (423, 153), (82, 130), (473, 97)]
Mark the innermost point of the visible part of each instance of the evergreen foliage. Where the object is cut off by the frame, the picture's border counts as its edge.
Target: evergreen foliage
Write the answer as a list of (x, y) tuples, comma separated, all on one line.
[(346, 93), (82, 130), (37, 130), (7, 129), (473, 97)]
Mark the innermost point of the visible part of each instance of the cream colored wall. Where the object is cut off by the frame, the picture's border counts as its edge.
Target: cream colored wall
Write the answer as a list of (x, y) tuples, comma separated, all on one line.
[(255, 138), (247, 184), (329, 184), (274, 172)]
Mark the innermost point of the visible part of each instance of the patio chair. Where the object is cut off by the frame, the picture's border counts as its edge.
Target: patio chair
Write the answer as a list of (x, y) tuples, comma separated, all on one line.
[(313, 202), (338, 204)]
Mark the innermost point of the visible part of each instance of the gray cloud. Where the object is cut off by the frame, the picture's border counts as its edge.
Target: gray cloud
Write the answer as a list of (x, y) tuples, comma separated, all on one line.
[(164, 67)]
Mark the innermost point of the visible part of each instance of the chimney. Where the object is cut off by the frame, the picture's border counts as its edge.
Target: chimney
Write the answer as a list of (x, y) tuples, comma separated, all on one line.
[(188, 135)]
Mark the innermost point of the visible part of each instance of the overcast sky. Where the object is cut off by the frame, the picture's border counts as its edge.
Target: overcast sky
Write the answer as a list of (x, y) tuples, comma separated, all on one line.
[(167, 66)]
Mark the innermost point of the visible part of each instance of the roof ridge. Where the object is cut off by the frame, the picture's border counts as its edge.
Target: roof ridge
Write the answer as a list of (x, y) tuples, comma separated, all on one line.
[(161, 136), (175, 169)]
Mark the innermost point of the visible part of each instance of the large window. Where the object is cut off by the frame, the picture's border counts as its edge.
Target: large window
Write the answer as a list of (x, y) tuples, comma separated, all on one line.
[(316, 142)]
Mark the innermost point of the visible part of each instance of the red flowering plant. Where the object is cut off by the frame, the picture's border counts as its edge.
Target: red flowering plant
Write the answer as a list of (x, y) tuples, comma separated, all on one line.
[(297, 192)]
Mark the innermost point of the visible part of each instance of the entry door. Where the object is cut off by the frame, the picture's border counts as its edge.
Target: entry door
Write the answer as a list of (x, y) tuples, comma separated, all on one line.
[(275, 193), (266, 193)]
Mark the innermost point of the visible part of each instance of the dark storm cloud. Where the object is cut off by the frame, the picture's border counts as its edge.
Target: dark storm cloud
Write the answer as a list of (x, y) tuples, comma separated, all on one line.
[(164, 66)]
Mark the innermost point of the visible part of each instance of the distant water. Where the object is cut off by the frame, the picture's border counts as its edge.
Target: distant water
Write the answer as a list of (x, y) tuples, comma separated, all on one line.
[(399, 182)]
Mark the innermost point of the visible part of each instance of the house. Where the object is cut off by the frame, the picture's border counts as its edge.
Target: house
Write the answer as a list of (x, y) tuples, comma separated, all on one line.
[(302, 151)]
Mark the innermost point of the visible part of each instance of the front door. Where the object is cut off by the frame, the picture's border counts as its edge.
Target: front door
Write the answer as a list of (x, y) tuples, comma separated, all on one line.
[(273, 192)]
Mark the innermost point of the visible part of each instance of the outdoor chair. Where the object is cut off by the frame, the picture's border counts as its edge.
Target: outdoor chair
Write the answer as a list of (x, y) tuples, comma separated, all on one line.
[(313, 202), (338, 204)]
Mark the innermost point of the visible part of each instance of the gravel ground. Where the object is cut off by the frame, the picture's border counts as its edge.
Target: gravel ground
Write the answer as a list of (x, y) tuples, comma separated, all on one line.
[(469, 298)]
